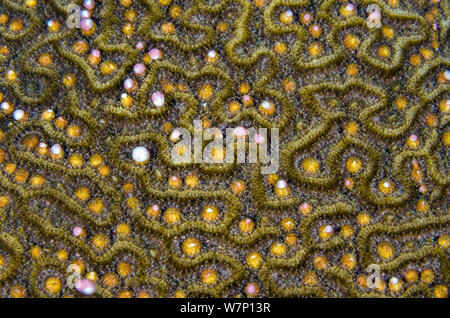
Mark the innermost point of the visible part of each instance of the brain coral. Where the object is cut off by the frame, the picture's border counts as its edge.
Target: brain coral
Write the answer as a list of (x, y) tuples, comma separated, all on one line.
[(94, 95)]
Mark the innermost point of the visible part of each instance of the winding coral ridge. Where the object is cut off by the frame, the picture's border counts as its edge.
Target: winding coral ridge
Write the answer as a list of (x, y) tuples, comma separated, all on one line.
[(88, 119)]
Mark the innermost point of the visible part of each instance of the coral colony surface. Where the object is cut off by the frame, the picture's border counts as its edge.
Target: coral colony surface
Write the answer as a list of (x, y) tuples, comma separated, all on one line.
[(97, 96)]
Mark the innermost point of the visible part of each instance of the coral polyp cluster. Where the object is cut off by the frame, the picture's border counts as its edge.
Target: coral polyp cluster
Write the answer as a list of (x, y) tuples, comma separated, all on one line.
[(93, 94)]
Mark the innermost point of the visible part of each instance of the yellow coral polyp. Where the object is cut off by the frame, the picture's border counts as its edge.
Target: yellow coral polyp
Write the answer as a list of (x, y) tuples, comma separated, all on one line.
[(278, 249), (53, 285), (254, 260), (191, 246), (310, 165), (385, 250)]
